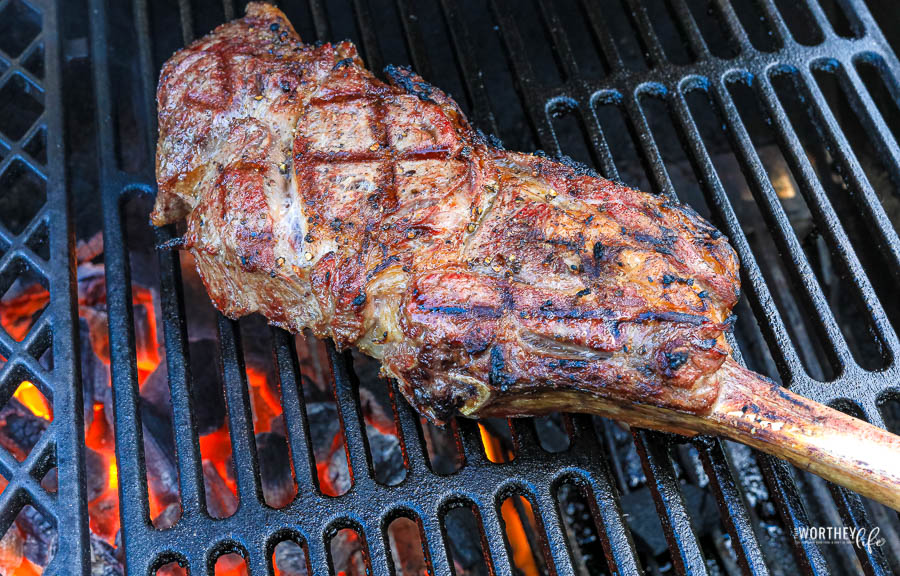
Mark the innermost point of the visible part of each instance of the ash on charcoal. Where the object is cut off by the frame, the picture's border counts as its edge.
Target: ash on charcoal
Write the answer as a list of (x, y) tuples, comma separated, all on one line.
[(328, 446), (387, 457), (168, 517), (581, 531), (20, 429), (464, 541), (290, 559), (405, 539), (11, 550), (381, 430), (97, 473), (50, 481), (40, 539), (220, 500), (103, 559), (95, 375), (348, 553)]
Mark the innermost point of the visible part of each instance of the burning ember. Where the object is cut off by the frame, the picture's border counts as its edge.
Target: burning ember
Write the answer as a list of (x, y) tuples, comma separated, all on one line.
[(26, 548)]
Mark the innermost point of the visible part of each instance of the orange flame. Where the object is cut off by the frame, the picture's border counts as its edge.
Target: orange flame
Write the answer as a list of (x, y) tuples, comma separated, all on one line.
[(32, 399), (325, 484), (264, 403), (28, 568), (147, 351), (523, 555), (216, 447), (493, 447), (231, 565), (18, 314)]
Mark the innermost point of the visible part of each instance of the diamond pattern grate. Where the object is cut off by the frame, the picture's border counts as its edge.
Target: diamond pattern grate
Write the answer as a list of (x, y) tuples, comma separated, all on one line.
[(34, 251)]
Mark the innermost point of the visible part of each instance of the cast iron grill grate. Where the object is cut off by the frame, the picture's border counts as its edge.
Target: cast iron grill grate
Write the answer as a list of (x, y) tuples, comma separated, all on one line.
[(676, 82)]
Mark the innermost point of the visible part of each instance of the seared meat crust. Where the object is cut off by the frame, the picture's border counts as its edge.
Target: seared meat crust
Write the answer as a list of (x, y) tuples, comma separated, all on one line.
[(373, 214)]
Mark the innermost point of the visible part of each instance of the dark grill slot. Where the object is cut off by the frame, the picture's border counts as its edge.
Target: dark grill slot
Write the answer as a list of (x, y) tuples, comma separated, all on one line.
[(843, 19), (758, 27), (568, 126), (655, 93), (801, 23), (465, 540), (348, 553), (619, 144), (711, 25), (289, 557), (882, 88), (878, 169)]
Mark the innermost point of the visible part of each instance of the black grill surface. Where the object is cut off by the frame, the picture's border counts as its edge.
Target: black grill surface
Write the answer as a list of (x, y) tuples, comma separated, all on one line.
[(655, 94)]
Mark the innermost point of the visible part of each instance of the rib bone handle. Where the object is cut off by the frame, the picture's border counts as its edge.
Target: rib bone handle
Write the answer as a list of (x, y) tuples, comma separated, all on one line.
[(824, 441), (756, 411)]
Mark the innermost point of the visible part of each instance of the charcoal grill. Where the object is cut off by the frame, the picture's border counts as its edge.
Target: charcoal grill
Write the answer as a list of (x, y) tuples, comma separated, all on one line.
[(538, 74)]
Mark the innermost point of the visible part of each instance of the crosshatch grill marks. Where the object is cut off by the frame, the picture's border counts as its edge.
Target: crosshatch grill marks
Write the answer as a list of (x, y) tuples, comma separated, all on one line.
[(357, 150), (387, 184)]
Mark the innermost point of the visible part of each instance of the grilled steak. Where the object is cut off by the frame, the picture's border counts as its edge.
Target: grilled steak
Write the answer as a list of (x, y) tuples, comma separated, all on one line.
[(488, 282)]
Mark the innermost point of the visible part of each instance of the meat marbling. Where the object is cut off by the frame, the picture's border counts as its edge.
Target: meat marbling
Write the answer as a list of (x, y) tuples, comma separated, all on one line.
[(488, 282)]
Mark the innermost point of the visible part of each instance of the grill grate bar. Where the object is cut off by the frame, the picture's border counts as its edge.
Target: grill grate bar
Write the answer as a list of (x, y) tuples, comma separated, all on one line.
[(825, 214), (562, 51), (240, 420), (603, 498), (411, 440), (853, 514), (653, 450), (22, 361), (597, 23), (523, 72), (735, 29), (492, 524), (473, 81), (654, 52), (851, 168), (801, 272), (731, 506), (22, 487), (759, 293), (867, 111), (370, 46), (187, 20), (434, 539), (699, 49), (294, 408), (320, 20), (554, 543), (660, 181), (821, 19), (783, 37), (178, 368), (869, 115), (793, 515), (346, 395), (409, 20), (129, 435), (599, 145)]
